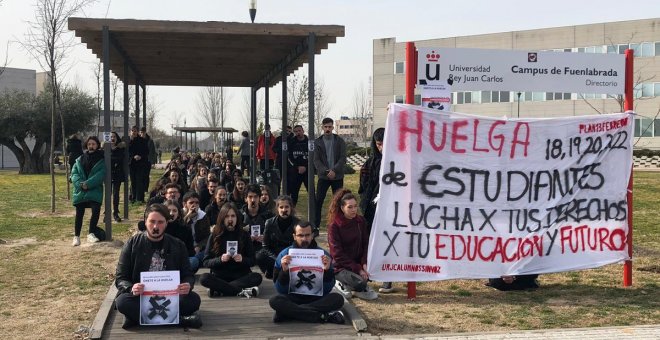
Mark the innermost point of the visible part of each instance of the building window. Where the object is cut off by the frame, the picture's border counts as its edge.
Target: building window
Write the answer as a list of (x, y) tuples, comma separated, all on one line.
[(622, 48), (549, 96), (537, 96), (459, 98), (485, 95), (495, 96), (476, 97), (656, 127), (647, 49), (398, 99), (567, 96), (418, 99), (656, 92), (657, 48), (644, 127), (637, 49), (505, 96), (611, 49), (467, 97), (581, 49), (647, 90), (398, 67)]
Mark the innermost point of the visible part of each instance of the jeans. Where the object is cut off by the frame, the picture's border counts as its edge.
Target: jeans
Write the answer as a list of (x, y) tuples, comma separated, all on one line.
[(305, 308), (321, 190), (80, 213), (194, 263), (351, 280)]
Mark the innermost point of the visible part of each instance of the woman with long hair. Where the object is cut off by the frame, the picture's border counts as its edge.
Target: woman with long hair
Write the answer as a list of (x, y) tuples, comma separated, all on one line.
[(348, 238), (238, 194), (87, 177), (219, 199), (230, 255), (117, 169), (266, 200), (178, 229), (174, 176)]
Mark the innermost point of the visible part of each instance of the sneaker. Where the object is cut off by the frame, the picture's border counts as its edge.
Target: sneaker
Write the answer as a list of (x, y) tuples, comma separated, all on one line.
[(211, 293), (386, 288), (341, 289), (116, 217), (367, 294), (191, 321), (76, 241), (249, 292), (333, 317), (91, 238)]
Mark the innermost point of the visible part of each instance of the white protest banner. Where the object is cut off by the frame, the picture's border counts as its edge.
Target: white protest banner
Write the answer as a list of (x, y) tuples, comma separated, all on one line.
[(306, 271), (159, 303), (436, 97), (472, 69), (465, 196)]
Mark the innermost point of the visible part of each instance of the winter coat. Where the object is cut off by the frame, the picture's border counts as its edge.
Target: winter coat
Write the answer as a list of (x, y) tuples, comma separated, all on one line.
[(153, 154), (370, 183), (117, 163), (74, 150), (230, 269), (261, 147), (274, 239), (348, 241), (94, 180), (178, 230)]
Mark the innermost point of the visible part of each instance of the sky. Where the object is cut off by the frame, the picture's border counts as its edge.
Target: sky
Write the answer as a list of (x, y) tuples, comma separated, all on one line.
[(345, 65)]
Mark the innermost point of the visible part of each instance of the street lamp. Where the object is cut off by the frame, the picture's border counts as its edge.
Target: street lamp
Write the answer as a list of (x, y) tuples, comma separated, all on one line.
[(253, 9), (518, 104)]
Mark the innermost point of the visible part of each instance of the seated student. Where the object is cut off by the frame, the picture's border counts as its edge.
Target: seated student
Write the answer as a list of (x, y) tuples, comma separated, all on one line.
[(238, 194), (278, 234), (230, 268), (518, 282), (348, 238), (176, 228), (197, 222), (219, 199), (153, 250), (308, 308), (206, 194), (254, 215), (266, 200)]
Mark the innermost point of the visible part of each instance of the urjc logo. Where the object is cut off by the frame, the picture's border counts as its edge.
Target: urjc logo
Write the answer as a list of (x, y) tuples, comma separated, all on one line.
[(432, 66), (532, 57)]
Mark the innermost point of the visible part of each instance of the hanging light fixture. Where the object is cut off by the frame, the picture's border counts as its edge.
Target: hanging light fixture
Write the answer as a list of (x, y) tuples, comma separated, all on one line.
[(253, 9)]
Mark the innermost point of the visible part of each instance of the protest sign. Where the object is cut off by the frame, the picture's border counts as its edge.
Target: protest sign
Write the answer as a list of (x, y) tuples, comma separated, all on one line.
[(306, 271), (464, 196), (159, 303)]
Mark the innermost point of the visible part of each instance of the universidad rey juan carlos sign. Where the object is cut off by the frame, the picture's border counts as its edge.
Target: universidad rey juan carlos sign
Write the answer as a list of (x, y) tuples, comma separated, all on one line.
[(465, 196)]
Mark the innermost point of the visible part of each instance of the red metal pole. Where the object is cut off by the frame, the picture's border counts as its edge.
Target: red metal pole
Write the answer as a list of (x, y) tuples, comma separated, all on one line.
[(628, 106), (411, 74)]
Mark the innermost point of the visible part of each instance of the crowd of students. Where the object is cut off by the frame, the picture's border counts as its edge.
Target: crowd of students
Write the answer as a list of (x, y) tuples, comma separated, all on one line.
[(202, 205)]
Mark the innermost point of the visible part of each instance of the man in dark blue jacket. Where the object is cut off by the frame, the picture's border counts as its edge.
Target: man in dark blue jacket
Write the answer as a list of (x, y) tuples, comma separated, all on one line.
[(308, 308)]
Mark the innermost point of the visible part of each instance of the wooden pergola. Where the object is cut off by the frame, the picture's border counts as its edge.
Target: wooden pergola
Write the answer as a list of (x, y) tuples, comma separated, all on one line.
[(187, 53)]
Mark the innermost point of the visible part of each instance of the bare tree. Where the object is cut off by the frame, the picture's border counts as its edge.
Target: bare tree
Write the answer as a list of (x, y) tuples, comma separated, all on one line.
[(47, 42), (361, 112), (211, 105), (321, 105)]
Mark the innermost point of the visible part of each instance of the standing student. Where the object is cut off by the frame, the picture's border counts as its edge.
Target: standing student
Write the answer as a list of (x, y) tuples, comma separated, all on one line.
[(329, 161), (87, 177), (118, 174)]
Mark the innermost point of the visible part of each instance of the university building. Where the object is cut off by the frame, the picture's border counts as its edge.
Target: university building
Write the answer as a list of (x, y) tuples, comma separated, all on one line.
[(643, 36)]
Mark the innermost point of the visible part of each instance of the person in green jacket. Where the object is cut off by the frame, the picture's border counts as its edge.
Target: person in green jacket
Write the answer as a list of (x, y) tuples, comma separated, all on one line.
[(87, 176)]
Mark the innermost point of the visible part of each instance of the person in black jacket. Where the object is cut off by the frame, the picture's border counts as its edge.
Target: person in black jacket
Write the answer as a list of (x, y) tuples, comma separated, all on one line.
[(278, 234), (154, 250), (298, 155), (370, 177), (254, 216), (219, 199), (230, 255), (117, 168), (139, 152), (74, 149), (177, 228)]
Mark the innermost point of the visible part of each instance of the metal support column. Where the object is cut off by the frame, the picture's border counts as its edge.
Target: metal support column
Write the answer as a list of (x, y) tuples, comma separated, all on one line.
[(311, 201), (106, 130), (137, 105), (253, 135), (126, 141), (285, 146), (267, 130), (144, 106)]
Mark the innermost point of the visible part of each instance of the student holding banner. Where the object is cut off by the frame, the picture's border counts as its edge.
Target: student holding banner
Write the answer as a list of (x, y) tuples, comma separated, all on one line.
[(163, 253), (230, 255), (289, 305), (348, 239)]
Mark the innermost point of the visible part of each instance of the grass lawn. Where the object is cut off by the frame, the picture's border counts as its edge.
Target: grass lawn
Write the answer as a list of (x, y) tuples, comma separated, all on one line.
[(48, 288)]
